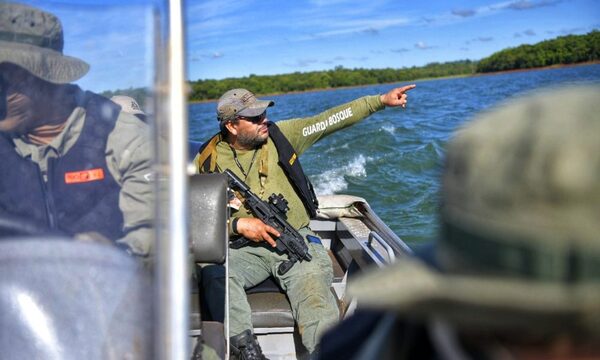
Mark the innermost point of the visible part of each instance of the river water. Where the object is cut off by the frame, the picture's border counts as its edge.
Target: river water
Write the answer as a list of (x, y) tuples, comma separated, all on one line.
[(394, 158)]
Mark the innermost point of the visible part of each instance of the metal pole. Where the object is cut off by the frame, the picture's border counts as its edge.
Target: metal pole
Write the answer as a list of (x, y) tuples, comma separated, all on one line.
[(173, 276)]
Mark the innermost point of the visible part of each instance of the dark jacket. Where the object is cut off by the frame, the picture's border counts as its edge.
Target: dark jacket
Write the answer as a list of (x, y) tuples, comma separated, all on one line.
[(80, 194)]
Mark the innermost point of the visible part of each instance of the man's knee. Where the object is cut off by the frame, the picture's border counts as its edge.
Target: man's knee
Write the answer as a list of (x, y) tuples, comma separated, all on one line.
[(321, 259), (312, 295)]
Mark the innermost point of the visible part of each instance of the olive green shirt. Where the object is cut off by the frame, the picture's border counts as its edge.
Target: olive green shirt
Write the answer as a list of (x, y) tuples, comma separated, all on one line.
[(266, 177), (129, 160)]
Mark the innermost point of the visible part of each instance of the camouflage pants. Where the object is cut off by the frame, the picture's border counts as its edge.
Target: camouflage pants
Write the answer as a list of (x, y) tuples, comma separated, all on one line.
[(307, 285)]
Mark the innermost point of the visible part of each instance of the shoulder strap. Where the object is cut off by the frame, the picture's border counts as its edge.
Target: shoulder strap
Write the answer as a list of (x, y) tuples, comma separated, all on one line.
[(288, 160), (206, 160)]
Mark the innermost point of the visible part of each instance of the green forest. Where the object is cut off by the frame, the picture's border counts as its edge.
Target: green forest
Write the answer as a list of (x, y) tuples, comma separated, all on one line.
[(569, 49), (338, 77)]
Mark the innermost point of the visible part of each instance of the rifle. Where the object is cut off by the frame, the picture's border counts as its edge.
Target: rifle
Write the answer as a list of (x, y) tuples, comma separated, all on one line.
[(273, 214)]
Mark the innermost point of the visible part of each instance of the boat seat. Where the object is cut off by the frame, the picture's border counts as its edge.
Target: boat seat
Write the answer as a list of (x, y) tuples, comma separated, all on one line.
[(269, 285), (208, 229), (208, 242), (270, 310), (72, 299), (208, 214)]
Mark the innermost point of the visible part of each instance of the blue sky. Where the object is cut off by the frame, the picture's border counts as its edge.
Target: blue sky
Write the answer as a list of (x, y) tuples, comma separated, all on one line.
[(236, 38)]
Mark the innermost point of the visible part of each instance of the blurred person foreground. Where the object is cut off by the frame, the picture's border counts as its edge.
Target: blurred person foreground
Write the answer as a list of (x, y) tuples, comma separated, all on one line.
[(515, 272)]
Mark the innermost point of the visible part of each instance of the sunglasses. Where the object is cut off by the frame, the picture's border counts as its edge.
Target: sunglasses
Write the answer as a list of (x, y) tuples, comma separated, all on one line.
[(254, 119)]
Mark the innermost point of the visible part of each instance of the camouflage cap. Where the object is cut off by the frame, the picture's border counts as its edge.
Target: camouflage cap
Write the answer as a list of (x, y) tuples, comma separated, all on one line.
[(520, 241), (523, 181), (128, 104), (33, 40), (240, 102)]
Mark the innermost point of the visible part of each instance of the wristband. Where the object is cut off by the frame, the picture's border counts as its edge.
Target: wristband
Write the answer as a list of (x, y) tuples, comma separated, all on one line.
[(234, 225)]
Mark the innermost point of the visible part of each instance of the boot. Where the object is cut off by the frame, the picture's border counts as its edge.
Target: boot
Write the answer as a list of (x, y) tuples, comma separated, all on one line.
[(245, 347)]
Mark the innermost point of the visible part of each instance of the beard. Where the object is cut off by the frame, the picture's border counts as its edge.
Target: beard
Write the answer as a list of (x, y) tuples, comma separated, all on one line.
[(252, 141)]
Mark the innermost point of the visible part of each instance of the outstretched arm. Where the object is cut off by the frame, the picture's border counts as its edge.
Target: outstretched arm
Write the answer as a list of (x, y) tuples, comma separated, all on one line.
[(397, 96), (302, 133)]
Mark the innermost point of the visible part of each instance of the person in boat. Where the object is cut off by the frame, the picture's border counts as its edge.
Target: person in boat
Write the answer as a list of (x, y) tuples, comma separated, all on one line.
[(265, 156), (72, 161), (514, 273), (130, 106)]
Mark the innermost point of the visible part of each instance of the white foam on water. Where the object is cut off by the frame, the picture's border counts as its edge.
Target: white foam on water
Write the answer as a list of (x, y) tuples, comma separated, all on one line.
[(332, 181), (389, 128), (334, 149)]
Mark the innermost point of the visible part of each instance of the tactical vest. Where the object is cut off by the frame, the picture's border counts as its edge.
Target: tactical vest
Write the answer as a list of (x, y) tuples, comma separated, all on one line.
[(80, 195), (288, 160)]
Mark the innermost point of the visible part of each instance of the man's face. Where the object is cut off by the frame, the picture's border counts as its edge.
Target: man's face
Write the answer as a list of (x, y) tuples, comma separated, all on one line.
[(252, 132), (16, 89)]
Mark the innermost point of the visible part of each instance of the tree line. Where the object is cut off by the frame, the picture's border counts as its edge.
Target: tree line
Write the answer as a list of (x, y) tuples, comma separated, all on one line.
[(335, 78), (569, 49), (562, 50)]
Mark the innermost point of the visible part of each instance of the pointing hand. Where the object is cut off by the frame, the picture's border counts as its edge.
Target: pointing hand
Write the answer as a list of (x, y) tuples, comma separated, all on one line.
[(397, 96)]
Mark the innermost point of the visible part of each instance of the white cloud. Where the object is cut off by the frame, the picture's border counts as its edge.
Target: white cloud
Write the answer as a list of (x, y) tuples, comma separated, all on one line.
[(422, 46)]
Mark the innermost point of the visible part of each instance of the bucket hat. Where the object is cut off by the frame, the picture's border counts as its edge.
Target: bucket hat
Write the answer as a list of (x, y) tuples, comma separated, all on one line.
[(33, 39), (519, 246), (240, 102)]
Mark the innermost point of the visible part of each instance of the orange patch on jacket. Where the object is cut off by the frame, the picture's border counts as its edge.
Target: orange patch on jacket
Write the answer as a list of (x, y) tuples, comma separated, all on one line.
[(76, 177)]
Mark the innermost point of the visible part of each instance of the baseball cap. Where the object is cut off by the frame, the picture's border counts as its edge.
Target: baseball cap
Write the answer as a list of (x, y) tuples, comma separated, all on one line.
[(128, 104), (240, 102)]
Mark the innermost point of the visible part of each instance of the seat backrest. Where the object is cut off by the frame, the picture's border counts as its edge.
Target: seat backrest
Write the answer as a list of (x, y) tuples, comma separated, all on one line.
[(208, 217), (73, 300)]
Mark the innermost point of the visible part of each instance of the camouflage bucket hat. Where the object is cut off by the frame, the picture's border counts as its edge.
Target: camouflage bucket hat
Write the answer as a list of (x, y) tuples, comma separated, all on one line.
[(33, 40), (240, 102), (520, 241)]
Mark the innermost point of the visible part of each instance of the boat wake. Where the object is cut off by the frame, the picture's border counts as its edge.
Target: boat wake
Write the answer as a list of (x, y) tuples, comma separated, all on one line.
[(334, 180)]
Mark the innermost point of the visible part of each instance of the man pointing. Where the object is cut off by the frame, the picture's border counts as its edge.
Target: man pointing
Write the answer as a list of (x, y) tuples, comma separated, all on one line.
[(265, 156)]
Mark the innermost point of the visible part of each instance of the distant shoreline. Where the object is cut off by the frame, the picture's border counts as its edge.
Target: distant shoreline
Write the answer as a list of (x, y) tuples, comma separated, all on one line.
[(556, 66)]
